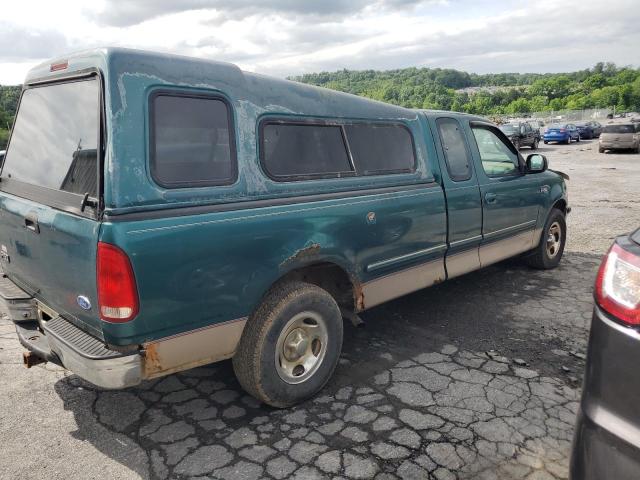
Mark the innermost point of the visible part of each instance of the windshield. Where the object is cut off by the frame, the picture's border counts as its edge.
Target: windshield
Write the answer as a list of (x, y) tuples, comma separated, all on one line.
[(618, 129), (508, 129), (55, 138)]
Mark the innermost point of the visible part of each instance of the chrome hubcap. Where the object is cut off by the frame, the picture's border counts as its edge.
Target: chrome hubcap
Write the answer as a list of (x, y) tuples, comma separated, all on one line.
[(554, 239), (301, 347)]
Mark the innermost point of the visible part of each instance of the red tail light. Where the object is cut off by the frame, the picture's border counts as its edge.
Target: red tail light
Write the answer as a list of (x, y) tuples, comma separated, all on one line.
[(117, 291), (618, 285), (562, 130)]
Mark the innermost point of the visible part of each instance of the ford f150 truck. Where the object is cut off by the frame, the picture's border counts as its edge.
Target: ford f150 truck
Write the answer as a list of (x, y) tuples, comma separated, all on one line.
[(159, 212)]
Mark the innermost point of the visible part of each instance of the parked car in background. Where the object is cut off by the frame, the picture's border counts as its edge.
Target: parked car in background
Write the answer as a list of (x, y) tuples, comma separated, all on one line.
[(623, 136), (521, 134), (589, 130), (606, 442), (561, 133), (538, 127), (269, 211)]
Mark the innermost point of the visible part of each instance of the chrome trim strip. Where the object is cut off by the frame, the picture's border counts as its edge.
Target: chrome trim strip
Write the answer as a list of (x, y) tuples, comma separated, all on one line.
[(401, 283), (512, 228), (192, 349), (465, 241), (614, 424), (403, 258), (629, 332)]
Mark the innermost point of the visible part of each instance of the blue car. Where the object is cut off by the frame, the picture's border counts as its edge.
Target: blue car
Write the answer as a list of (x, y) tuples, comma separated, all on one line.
[(561, 133)]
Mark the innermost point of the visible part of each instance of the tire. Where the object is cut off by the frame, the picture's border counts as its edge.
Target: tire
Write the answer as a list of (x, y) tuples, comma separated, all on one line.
[(600, 149), (534, 145), (260, 363), (578, 138), (568, 140), (545, 142), (542, 257), (517, 144)]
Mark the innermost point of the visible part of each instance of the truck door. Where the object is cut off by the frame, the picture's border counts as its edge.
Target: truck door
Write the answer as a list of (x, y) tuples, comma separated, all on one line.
[(462, 193), (510, 199)]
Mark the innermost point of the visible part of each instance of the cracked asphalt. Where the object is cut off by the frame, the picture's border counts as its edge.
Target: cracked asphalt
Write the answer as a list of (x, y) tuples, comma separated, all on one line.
[(475, 378)]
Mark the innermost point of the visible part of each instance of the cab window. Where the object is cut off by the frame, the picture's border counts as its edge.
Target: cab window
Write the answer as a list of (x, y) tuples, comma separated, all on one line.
[(497, 158), (454, 146)]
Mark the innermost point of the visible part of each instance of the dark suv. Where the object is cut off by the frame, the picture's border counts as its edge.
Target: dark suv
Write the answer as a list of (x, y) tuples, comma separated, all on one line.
[(521, 134)]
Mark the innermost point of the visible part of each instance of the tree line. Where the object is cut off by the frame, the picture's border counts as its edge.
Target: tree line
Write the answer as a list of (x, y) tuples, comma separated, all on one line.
[(603, 86)]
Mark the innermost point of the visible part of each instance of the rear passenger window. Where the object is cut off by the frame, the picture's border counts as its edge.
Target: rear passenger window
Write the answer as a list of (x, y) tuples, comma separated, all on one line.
[(191, 141), (298, 151), (456, 154), (379, 149)]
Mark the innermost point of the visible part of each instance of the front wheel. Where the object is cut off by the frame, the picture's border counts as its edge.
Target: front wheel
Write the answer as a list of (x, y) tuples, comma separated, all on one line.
[(578, 139), (290, 345), (549, 251)]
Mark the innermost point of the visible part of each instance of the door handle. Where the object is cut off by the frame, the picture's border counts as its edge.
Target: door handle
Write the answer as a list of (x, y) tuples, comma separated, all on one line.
[(31, 223), (490, 198)]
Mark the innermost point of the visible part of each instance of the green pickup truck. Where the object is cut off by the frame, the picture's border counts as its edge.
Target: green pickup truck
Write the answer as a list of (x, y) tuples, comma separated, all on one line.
[(158, 213)]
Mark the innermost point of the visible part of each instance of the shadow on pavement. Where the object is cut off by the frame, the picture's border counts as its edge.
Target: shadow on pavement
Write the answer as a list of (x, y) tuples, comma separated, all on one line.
[(399, 401)]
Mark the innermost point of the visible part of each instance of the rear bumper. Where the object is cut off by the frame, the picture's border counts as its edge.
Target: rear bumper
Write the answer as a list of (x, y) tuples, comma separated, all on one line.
[(81, 353), (556, 138), (618, 145), (607, 436), (59, 341)]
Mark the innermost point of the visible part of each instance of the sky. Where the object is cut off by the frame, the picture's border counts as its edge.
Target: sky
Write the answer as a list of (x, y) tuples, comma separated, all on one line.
[(292, 37)]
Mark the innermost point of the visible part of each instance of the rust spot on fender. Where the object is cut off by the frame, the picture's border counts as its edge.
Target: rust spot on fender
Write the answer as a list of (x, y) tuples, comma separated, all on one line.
[(152, 363), (358, 296), (303, 253)]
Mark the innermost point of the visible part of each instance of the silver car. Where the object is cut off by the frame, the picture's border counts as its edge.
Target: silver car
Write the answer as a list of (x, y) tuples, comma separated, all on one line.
[(624, 136)]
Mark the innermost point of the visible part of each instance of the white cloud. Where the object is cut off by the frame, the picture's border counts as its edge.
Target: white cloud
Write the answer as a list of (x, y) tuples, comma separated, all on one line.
[(289, 37)]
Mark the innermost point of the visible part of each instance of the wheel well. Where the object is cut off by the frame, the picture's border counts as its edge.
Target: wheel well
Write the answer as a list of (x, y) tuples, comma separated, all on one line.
[(334, 279), (561, 205)]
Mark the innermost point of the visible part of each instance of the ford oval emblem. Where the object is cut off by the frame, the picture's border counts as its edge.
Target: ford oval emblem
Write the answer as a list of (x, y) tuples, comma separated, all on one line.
[(84, 302)]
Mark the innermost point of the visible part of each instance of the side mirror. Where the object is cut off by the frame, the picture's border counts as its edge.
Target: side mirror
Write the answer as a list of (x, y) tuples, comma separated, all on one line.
[(537, 163)]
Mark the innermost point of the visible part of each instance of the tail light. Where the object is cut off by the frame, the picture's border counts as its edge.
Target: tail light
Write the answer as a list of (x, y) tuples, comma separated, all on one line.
[(618, 285), (117, 291), (563, 130)]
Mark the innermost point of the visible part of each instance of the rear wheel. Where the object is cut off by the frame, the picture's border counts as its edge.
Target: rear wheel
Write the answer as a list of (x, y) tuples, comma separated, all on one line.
[(549, 251), (534, 146), (545, 142), (600, 149), (290, 345), (568, 140), (578, 139)]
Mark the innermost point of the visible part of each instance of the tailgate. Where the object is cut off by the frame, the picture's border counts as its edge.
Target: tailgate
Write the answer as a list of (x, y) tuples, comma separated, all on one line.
[(48, 241)]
